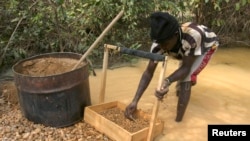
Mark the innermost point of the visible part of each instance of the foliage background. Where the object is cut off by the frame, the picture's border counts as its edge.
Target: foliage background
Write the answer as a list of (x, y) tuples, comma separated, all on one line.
[(73, 25)]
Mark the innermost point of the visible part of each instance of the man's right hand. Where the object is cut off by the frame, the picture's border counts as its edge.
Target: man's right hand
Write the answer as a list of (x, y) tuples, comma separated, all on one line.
[(163, 90), (130, 110)]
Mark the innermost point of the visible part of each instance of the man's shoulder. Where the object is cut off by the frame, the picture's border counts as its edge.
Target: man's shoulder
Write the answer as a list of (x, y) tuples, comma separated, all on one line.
[(186, 23), (190, 29)]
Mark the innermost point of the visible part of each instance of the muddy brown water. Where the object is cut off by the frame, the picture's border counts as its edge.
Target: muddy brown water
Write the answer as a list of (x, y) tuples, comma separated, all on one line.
[(221, 95)]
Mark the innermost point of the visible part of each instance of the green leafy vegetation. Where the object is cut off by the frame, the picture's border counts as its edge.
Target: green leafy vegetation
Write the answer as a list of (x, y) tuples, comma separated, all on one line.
[(35, 27)]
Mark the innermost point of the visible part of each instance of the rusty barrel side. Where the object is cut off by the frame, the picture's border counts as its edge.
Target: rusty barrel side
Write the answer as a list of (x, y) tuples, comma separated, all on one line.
[(57, 100)]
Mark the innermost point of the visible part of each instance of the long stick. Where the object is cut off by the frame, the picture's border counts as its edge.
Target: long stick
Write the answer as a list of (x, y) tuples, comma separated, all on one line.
[(104, 74), (156, 105), (99, 38)]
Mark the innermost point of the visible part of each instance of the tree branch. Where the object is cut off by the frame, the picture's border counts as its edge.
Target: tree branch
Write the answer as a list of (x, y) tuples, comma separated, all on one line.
[(10, 39)]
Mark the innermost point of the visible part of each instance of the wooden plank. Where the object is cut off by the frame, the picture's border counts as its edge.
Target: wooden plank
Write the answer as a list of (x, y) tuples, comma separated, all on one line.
[(121, 105), (142, 134), (101, 107), (111, 129), (105, 126)]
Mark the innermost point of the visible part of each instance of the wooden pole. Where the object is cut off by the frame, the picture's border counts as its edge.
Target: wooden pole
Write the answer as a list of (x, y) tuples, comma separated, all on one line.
[(157, 103), (104, 74), (99, 38)]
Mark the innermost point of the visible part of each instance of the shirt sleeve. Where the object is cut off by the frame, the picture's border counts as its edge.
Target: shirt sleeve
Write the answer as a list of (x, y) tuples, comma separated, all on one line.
[(155, 48), (192, 43)]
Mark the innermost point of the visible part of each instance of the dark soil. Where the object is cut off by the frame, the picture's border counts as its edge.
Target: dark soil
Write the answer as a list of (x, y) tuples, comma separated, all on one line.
[(116, 115)]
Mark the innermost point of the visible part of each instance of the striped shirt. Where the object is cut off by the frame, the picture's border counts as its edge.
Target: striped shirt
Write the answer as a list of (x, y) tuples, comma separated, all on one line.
[(196, 40)]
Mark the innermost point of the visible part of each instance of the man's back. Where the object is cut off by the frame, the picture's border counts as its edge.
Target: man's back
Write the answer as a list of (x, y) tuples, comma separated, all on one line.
[(197, 39)]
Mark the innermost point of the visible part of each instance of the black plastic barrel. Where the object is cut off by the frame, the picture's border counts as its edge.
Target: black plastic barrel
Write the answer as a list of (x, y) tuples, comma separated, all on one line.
[(57, 100)]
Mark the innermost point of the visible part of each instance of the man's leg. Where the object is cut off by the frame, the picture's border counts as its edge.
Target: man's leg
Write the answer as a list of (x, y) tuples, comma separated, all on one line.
[(184, 96), (183, 87), (178, 88)]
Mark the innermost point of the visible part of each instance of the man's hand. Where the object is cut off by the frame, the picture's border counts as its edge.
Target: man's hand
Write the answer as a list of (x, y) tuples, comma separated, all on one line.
[(130, 110), (164, 90)]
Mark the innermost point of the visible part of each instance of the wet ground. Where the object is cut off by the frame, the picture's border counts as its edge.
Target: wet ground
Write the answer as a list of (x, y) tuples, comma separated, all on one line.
[(221, 95)]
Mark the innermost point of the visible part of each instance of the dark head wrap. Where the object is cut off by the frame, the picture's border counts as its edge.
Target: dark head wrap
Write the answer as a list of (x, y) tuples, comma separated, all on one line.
[(163, 26)]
